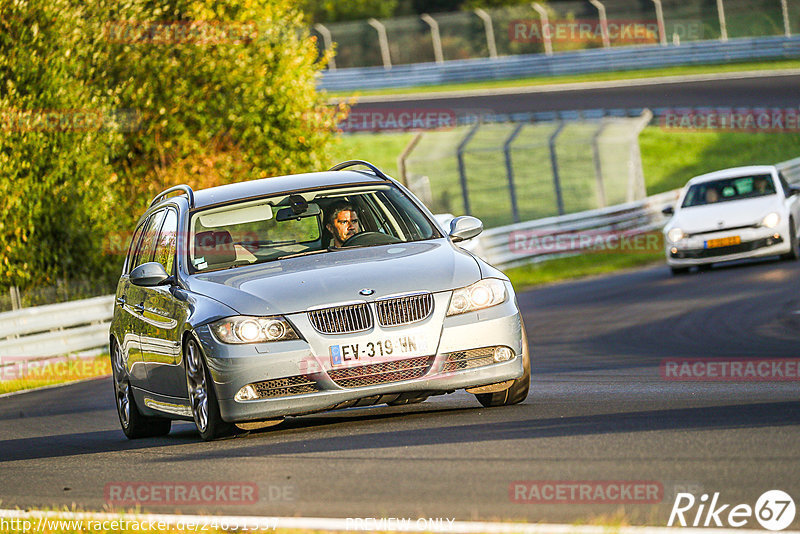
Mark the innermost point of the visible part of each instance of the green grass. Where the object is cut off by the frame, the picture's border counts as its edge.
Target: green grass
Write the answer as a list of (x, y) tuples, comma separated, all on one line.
[(36, 375), (578, 78), (573, 267), (379, 149), (671, 158)]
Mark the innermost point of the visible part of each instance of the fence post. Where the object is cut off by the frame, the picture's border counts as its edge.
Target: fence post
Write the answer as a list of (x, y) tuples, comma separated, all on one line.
[(487, 25), (383, 41), (462, 172), (327, 43), (510, 170), (787, 29), (636, 186), (401, 159), (554, 165), (598, 166), (662, 28), (546, 36), (723, 24), (435, 37), (16, 301), (601, 12)]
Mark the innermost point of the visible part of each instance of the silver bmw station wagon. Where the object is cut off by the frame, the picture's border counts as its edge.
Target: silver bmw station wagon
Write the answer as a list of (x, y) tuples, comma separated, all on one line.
[(297, 294)]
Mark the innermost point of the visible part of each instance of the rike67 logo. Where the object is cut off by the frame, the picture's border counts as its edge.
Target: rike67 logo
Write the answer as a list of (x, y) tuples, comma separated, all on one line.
[(774, 510)]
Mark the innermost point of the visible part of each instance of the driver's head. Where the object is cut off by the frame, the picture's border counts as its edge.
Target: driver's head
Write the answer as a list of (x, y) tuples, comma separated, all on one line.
[(342, 222)]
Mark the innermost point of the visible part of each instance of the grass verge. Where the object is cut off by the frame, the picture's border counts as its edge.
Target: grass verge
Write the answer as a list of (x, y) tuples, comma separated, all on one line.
[(30, 375), (573, 267), (579, 78)]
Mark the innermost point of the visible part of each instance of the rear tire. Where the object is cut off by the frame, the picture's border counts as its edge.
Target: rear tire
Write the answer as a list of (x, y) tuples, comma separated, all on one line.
[(518, 391), (794, 253), (134, 424), (203, 398)]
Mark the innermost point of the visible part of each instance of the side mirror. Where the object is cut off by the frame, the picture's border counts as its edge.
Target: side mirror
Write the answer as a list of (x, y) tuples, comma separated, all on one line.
[(149, 275), (793, 190), (463, 228), (669, 210)]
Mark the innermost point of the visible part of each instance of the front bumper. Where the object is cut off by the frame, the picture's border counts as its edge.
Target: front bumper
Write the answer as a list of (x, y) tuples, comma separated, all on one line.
[(305, 365), (754, 243)]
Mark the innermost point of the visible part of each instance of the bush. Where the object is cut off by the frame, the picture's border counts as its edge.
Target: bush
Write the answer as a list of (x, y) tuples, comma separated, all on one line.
[(221, 92)]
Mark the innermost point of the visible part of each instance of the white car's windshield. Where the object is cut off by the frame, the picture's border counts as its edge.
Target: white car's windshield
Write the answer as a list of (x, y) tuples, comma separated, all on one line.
[(302, 223), (729, 189)]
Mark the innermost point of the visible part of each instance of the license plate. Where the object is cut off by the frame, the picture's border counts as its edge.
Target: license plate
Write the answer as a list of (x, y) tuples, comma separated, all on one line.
[(723, 242), (406, 346)]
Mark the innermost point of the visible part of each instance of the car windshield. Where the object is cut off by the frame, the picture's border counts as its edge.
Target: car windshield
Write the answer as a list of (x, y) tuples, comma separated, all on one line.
[(729, 189), (312, 222)]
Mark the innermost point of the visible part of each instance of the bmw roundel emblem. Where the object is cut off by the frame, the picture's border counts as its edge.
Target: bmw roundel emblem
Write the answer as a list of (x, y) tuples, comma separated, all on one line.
[(366, 292)]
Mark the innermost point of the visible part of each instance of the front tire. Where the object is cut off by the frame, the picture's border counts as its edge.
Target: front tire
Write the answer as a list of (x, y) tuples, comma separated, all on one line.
[(794, 253), (203, 398), (518, 391), (134, 424), (678, 271)]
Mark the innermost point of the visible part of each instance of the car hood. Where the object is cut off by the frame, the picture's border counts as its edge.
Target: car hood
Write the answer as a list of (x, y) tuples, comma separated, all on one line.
[(297, 284), (731, 214)]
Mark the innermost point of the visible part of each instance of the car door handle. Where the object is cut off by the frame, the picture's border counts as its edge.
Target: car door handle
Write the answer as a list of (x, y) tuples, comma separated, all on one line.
[(121, 301), (139, 307)]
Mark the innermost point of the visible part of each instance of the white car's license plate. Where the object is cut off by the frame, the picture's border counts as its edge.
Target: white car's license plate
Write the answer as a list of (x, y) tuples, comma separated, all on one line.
[(405, 346)]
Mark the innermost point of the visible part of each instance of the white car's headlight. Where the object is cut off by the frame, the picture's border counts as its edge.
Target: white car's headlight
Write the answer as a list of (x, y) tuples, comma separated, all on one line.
[(482, 294), (245, 329), (675, 235), (771, 220)]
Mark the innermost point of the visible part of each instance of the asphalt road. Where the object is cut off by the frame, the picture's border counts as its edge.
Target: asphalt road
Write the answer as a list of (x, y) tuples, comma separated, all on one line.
[(764, 91), (598, 410)]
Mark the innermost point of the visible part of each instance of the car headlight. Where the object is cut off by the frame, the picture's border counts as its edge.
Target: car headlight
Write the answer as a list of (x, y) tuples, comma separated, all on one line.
[(771, 220), (675, 235), (245, 329), (482, 294)]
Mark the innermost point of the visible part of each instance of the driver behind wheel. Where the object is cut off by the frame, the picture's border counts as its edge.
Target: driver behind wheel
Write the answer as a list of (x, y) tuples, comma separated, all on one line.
[(342, 222)]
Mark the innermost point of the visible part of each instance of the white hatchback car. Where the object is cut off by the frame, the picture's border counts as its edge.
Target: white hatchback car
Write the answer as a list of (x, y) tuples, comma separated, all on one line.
[(732, 214)]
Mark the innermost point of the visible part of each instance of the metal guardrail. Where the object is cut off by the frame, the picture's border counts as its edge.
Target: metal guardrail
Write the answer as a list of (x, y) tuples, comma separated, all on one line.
[(55, 329), (82, 325), (542, 239), (579, 62)]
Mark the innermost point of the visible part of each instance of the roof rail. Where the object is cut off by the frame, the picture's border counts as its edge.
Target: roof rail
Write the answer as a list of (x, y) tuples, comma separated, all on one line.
[(355, 162), (183, 187)]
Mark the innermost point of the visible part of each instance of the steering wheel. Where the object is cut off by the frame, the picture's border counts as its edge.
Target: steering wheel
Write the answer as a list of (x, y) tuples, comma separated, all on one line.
[(370, 238)]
